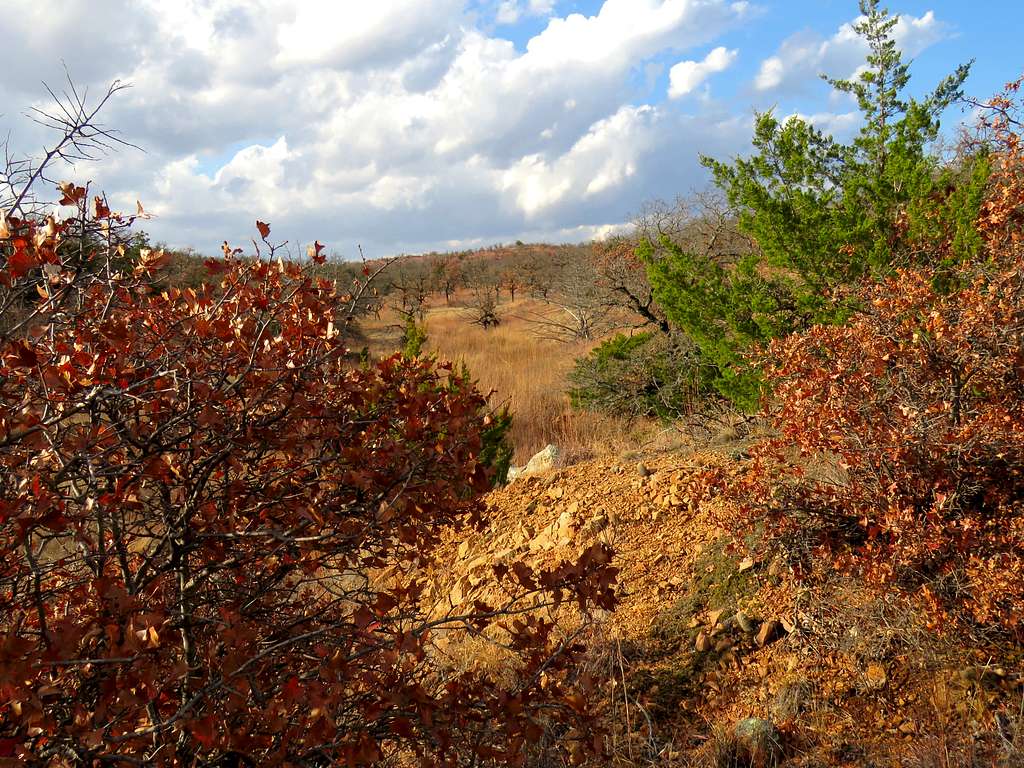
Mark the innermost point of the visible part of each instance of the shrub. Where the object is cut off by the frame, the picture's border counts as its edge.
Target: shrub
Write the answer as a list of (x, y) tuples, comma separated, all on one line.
[(646, 374), (496, 443), (414, 336), (909, 423), (198, 496), (824, 215)]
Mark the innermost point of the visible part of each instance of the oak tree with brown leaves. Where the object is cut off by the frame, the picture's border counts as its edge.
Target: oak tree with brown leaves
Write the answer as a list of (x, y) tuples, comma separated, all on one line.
[(215, 529), (900, 435)]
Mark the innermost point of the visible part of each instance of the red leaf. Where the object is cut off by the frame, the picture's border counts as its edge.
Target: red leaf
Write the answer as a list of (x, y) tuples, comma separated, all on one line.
[(20, 263), (264, 229), (102, 211), (314, 253), (23, 355), (203, 731)]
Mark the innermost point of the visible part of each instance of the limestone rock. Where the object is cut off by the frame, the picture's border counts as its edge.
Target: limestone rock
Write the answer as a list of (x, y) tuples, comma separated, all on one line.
[(564, 529), (769, 631), (542, 462), (744, 623)]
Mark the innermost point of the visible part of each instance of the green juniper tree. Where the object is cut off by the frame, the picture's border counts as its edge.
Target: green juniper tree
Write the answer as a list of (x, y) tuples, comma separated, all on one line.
[(824, 215)]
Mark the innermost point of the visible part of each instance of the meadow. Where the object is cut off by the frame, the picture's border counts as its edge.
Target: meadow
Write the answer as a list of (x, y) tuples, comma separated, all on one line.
[(524, 371)]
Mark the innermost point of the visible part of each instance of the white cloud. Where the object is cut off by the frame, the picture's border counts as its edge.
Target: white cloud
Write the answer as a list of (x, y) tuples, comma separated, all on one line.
[(508, 12), (841, 125), (604, 157), (804, 56), (347, 34), (398, 124), (686, 76), (511, 11)]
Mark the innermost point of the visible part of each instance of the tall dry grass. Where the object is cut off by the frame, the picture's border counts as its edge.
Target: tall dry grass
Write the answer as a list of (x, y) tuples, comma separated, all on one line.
[(526, 372), (530, 374)]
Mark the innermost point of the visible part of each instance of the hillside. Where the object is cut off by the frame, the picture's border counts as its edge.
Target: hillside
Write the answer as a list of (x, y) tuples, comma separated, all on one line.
[(705, 636)]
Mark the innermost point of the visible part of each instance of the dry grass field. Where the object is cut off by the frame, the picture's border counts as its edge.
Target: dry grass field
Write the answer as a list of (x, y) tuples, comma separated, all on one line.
[(527, 372)]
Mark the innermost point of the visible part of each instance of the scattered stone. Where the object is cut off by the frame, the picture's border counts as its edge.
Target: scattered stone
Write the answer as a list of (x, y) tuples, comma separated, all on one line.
[(564, 528), (769, 631), (703, 642), (542, 462), (723, 645), (758, 743), (746, 564), (789, 625), (875, 677), (458, 591), (715, 616), (743, 622), (642, 470), (556, 493)]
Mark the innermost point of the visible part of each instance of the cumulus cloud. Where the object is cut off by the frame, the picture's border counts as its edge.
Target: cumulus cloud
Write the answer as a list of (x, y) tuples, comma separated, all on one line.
[(599, 161), (686, 76), (805, 55), (511, 11), (840, 125), (399, 124), (360, 34)]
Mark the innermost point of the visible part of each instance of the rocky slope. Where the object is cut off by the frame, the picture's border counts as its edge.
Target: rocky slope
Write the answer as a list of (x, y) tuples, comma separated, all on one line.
[(707, 637)]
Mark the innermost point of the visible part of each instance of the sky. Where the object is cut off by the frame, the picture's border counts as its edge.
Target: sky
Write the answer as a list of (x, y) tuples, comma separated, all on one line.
[(402, 126)]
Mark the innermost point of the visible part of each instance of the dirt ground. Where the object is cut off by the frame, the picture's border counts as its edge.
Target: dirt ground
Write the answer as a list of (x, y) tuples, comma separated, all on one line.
[(706, 635)]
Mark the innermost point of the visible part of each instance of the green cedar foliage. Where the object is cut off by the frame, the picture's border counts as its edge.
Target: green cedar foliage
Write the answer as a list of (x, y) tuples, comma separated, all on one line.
[(414, 336), (647, 374), (824, 215), (497, 448)]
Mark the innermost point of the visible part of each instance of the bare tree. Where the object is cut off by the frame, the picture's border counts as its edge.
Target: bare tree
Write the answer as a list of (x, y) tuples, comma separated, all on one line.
[(702, 223), (80, 138), (409, 288), (81, 250), (621, 272), (483, 306), (577, 309), (446, 271)]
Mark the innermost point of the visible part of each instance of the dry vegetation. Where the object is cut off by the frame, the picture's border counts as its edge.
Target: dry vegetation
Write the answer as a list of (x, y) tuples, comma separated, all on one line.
[(524, 370), (832, 581)]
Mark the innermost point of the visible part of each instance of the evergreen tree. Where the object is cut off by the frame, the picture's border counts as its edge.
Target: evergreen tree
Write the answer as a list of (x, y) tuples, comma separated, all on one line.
[(824, 214)]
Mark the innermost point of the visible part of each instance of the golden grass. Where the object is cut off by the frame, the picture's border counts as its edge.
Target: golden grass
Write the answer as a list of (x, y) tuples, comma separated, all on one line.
[(524, 371)]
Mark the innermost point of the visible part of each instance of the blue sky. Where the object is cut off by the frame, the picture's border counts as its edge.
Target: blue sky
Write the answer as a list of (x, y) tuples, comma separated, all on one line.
[(409, 125), (987, 31)]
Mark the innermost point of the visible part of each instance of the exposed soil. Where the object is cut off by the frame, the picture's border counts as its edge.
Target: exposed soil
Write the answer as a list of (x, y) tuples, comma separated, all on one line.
[(848, 676)]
